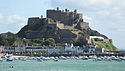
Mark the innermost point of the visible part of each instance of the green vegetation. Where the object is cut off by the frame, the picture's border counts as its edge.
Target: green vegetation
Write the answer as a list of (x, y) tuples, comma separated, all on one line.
[(7, 39), (10, 39), (38, 42), (107, 46), (49, 41), (76, 42)]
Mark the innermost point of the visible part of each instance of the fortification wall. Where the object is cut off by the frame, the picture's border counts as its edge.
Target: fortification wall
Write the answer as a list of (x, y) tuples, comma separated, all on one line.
[(66, 17), (60, 26), (82, 25), (34, 20)]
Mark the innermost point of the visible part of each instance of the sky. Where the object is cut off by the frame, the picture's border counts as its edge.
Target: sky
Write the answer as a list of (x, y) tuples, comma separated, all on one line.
[(105, 16)]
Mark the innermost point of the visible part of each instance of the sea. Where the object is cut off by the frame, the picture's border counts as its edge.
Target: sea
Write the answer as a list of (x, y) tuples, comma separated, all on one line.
[(62, 65)]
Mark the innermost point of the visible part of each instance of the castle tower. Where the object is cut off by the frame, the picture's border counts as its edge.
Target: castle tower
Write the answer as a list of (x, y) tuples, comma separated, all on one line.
[(65, 17)]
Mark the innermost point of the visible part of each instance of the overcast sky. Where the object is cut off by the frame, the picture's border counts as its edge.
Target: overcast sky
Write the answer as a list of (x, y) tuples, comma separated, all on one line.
[(105, 16)]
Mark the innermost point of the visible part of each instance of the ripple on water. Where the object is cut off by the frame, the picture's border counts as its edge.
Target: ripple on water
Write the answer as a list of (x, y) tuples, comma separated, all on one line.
[(63, 65)]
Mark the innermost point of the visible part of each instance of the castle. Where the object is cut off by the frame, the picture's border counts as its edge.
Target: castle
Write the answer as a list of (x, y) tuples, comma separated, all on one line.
[(62, 19), (57, 25)]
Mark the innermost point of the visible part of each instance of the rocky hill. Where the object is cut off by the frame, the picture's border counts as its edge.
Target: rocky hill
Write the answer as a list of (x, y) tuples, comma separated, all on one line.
[(63, 26)]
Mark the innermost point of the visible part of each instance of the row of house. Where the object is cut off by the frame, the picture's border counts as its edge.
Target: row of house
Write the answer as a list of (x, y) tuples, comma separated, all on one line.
[(67, 49)]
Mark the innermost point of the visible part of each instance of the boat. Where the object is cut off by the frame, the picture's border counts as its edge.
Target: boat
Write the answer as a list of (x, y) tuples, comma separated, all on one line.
[(122, 58), (99, 59), (52, 58), (55, 59), (62, 57), (46, 58), (22, 58), (11, 66), (8, 59), (1, 59), (39, 59), (85, 58)]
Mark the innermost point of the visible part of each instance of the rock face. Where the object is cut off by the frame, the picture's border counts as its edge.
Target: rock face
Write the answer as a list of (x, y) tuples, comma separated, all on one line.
[(63, 26)]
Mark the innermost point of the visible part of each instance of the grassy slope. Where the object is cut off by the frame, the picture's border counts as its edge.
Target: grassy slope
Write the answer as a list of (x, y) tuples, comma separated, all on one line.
[(107, 46)]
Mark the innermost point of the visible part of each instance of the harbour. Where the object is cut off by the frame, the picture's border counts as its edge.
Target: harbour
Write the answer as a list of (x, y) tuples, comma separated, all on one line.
[(62, 65)]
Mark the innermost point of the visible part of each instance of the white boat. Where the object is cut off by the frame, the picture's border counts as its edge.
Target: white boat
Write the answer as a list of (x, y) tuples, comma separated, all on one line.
[(22, 58), (9, 59), (1, 59), (99, 59), (122, 58), (56, 57), (62, 57), (52, 58), (85, 58), (46, 58), (32, 58), (107, 58), (80, 57)]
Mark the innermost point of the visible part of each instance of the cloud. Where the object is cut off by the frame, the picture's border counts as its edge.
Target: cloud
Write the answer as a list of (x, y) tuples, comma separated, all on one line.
[(14, 19), (12, 23), (103, 13), (87, 19), (106, 16), (1, 17)]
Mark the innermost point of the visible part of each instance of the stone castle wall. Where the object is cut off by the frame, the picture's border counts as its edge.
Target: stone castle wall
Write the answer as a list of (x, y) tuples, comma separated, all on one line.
[(57, 25), (82, 25), (68, 18), (34, 20)]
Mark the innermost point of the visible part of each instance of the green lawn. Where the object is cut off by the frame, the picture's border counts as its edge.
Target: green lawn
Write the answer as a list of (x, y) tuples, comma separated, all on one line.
[(107, 46)]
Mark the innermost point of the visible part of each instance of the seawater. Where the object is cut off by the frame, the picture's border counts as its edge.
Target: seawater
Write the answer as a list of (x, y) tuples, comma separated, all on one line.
[(62, 65)]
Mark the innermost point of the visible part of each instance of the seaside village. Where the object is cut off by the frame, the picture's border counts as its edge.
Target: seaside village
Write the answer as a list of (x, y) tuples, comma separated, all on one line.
[(68, 51), (53, 50)]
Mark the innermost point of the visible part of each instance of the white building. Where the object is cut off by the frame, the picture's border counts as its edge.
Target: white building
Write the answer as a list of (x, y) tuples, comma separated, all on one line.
[(70, 49), (91, 48)]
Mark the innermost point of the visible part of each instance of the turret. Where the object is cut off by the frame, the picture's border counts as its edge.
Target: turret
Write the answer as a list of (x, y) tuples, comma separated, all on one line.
[(57, 8), (75, 11)]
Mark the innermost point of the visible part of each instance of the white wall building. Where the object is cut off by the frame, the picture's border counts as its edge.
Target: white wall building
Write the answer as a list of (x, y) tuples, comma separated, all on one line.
[(91, 48)]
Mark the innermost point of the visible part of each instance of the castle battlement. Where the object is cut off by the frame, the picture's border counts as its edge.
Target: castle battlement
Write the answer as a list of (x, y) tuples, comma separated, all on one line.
[(66, 17), (63, 19)]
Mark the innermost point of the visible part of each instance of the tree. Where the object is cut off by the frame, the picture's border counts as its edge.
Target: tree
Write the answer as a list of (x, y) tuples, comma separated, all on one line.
[(18, 41), (3, 41), (7, 39), (77, 42), (49, 41)]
